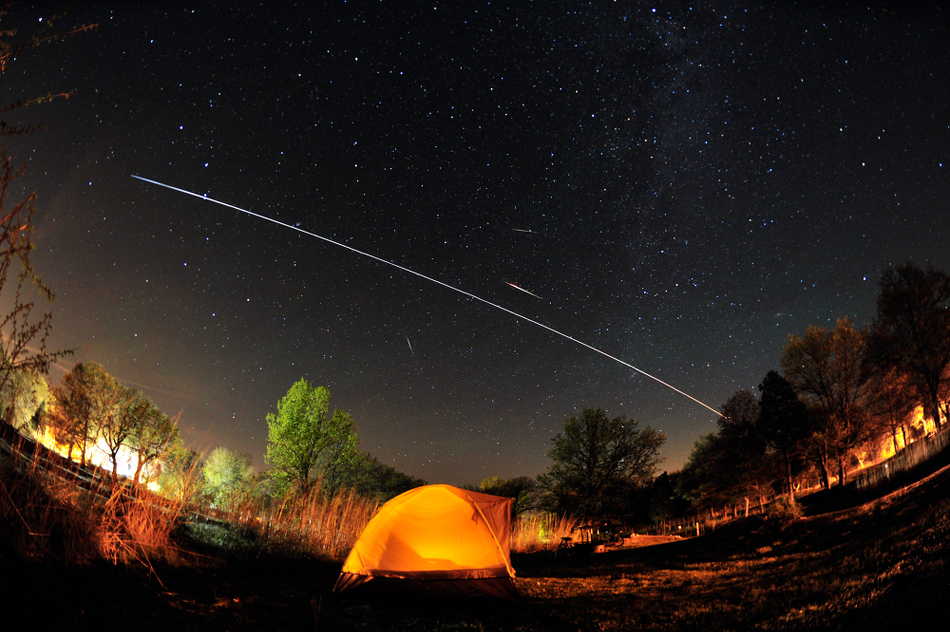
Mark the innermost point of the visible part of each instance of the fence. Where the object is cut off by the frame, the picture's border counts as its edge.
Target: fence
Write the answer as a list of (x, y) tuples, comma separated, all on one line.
[(913, 455), (894, 469)]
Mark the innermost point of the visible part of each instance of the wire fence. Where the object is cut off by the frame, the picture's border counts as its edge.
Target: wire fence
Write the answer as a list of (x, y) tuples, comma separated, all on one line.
[(911, 457)]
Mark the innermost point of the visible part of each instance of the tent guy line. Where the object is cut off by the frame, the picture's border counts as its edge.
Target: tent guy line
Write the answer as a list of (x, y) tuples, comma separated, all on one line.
[(430, 279)]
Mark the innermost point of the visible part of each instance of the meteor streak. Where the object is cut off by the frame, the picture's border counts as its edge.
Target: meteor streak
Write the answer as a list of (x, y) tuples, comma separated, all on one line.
[(410, 346), (523, 290), (430, 279)]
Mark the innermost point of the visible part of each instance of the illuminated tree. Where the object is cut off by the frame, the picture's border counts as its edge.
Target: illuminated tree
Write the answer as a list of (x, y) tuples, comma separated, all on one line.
[(227, 477), (83, 403), (911, 332), (156, 437), (306, 444), (125, 407), (180, 477), (597, 461), (893, 403), (23, 400), (826, 369)]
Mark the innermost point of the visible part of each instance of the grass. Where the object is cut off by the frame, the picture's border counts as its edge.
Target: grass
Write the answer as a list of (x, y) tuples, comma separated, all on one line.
[(540, 532), (49, 518), (881, 565)]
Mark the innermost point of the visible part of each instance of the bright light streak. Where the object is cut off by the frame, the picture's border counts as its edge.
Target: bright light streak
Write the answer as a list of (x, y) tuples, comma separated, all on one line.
[(518, 287), (430, 279)]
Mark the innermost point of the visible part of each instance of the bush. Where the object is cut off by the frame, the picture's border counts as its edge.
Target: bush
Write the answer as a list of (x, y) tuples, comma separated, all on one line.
[(784, 510)]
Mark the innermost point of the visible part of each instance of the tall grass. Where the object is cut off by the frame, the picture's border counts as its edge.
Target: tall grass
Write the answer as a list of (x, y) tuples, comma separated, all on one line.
[(540, 532), (325, 526), (136, 525), (46, 517), (40, 518)]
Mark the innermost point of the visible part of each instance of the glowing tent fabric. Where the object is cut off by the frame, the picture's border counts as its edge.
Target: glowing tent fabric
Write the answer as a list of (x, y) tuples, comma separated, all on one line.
[(438, 540)]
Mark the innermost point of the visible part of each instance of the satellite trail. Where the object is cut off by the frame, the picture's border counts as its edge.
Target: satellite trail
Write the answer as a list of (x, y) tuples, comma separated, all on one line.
[(430, 279)]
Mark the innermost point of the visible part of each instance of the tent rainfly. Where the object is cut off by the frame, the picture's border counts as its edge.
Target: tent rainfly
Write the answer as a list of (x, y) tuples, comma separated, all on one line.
[(434, 540)]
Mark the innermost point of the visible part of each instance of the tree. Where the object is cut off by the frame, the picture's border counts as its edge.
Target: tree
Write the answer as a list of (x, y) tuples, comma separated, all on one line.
[(156, 437), (893, 403), (227, 477), (700, 480), (667, 501), (23, 335), (23, 400), (733, 463), (827, 369), (180, 477), (911, 332), (368, 476), (520, 488), (306, 444), (83, 403), (744, 465), (125, 407), (784, 424), (597, 460)]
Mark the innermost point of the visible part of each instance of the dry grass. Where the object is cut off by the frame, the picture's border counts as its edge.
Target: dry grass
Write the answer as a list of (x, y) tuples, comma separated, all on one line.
[(540, 532), (51, 518), (136, 525), (40, 518), (318, 525)]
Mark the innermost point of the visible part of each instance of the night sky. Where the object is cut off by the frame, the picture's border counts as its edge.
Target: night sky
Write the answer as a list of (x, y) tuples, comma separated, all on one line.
[(681, 186)]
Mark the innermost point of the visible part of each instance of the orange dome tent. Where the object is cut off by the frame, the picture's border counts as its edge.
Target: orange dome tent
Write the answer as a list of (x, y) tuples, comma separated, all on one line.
[(436, 540)]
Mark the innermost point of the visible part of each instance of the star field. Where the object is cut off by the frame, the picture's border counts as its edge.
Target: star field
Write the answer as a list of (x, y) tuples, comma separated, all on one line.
[(682, 186)]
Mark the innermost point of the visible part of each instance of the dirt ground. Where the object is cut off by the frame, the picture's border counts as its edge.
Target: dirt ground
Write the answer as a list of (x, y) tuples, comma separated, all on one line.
[(882, 565)]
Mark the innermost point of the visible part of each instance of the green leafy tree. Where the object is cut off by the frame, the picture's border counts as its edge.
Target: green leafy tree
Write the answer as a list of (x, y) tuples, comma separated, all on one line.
[(911, 332), (305, 443), (228, 475), (597, 461)]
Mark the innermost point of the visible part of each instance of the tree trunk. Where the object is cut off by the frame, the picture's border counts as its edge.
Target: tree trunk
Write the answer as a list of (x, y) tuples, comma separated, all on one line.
[(788, 477), (936, 406), (823, 466), (138, 469), (840, 471)]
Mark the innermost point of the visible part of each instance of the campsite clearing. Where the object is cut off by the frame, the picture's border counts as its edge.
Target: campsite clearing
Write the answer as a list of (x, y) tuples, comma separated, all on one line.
[(880, 566)]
